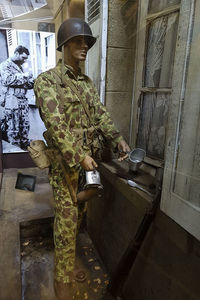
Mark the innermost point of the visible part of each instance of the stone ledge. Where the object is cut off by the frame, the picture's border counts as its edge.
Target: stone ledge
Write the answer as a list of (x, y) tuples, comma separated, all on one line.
[(140, 199)]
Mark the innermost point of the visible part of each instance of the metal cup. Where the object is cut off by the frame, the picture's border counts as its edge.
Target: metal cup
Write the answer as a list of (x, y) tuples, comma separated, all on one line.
[(136, 156)]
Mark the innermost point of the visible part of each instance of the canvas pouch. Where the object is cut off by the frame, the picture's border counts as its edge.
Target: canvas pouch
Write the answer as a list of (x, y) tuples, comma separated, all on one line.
[(37, 151)]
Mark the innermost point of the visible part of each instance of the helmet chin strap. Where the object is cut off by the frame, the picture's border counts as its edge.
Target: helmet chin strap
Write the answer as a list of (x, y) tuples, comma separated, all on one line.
[(63, 63)]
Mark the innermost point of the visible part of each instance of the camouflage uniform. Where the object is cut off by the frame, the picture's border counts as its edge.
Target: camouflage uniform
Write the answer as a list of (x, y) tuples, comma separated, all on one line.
[(67, 127), (15, 119)]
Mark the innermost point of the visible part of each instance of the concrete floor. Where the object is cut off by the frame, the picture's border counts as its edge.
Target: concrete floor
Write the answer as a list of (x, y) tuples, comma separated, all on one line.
[(26, 247)]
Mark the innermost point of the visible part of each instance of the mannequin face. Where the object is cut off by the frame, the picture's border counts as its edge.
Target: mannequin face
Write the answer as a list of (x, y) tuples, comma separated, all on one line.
[(76, 49)]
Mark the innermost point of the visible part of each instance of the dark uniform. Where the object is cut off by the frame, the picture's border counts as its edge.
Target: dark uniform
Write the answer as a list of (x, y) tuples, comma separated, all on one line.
[(69, 133)]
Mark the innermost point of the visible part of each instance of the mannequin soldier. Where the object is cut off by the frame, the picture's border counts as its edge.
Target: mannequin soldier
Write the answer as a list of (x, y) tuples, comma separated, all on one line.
[(15, 82), (68, 131)]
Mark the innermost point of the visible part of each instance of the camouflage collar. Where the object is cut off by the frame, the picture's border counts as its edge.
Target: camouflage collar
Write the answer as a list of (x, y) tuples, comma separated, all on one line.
[(70, 71)]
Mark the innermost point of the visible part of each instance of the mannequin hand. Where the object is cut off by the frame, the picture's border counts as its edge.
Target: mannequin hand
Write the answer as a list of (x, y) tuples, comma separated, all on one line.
[(88, 164), (123, 148)]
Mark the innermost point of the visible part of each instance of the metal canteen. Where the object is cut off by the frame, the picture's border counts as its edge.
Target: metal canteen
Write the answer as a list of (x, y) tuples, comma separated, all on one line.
[(93, 179)]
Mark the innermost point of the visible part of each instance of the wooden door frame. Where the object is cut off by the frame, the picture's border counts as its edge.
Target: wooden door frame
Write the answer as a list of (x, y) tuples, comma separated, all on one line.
[(182, 211)]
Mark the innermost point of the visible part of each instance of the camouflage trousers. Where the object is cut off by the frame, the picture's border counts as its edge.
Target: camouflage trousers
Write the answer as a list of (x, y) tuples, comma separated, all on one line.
[(67, 220), (15, 124)]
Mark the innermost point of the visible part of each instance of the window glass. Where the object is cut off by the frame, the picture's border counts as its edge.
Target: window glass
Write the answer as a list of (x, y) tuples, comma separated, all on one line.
[(161, 44), (152, 124), (157, 5), (14, 8)]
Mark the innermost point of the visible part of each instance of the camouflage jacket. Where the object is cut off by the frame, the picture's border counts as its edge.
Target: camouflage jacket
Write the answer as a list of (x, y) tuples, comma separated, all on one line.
[(14, 83), (63, 121)]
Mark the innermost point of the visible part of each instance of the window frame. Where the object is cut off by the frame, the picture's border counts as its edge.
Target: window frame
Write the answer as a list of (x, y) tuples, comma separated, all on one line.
[(144, 20), (102, 36), (185, 213), (179, 208)]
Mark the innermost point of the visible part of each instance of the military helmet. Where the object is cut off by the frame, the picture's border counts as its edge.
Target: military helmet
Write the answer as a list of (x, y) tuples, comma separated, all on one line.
[(74, 27)]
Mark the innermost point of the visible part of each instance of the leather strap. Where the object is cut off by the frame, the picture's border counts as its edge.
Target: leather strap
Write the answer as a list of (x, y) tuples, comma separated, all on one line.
[(67, 177), (68, 83)]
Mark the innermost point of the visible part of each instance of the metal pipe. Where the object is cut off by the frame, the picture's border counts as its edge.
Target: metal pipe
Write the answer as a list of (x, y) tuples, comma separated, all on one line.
[(134, 79)]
